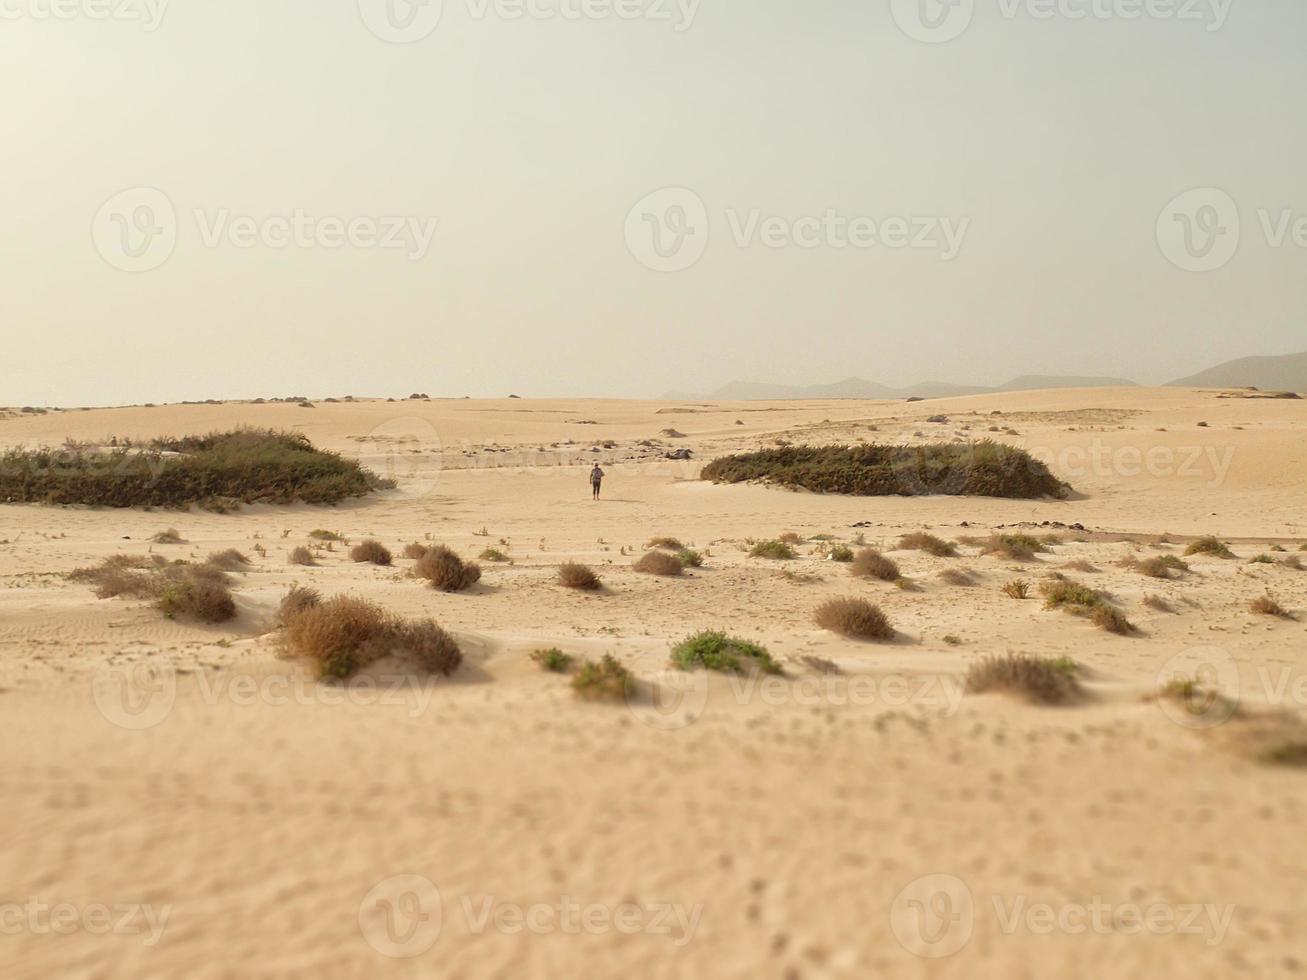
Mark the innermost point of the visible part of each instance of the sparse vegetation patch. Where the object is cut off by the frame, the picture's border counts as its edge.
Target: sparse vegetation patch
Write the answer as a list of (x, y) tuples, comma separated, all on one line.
[(217, 471), (1038, 679), (986, 468)]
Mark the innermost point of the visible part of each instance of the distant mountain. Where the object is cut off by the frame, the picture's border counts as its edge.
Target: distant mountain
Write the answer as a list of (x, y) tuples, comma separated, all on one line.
[(1287, 372), (1038, 382), (744, 391)]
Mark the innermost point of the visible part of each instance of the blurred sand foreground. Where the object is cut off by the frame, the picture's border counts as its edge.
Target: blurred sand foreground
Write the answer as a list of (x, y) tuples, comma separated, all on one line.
[(181, 802)]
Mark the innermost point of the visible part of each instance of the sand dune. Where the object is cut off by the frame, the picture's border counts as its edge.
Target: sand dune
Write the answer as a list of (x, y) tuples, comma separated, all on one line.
[(239, 818)]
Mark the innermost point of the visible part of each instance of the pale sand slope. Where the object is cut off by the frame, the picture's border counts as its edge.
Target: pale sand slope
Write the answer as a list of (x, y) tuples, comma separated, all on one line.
[(787, 817)]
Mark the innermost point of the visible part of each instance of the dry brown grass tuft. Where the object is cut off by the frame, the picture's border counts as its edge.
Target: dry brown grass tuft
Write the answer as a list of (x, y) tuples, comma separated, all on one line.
[(1018, 588), (170, 536), (659, 563), (869, 563), (230, 560), (668, 543), (1014, 547), (296, 601), (344, 634), (789, 537), (577, 576), (854, 618), (180, 589), (433, 648), (1080, 565), (301, 556), (960, 577), (1063, 593), (187, 591), (370, 552), (414, 550), (929, 543), (1158, 603), (1037, 679), (1267, 606), (341, 635), (446, 571)]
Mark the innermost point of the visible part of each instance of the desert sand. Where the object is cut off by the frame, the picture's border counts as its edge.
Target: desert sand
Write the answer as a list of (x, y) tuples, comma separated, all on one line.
[(861, 817)]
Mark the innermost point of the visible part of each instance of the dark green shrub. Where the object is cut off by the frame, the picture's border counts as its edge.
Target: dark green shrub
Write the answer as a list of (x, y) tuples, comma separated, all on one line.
[(973, 469), (216, 471)]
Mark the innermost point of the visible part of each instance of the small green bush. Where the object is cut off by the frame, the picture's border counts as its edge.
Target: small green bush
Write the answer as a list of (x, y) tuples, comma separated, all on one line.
[(712, 650), (553, 660), (1210, 546), (690, 558), (775, 550), (606, 680)]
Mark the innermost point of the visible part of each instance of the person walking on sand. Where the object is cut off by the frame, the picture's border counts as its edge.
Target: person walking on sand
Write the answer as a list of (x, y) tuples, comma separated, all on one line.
[(596, 480)]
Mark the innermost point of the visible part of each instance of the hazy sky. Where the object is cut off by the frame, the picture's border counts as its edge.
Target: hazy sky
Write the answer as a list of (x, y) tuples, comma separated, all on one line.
[(961, 208)]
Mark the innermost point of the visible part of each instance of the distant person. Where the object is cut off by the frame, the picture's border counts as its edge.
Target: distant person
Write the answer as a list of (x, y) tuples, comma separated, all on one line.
[(596, 480)]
